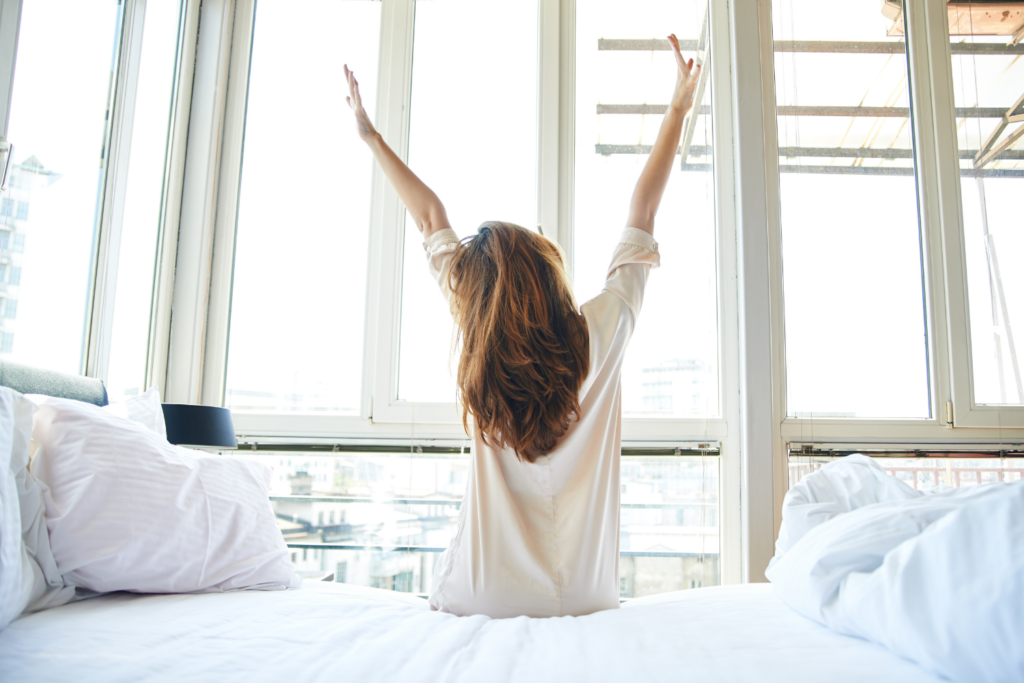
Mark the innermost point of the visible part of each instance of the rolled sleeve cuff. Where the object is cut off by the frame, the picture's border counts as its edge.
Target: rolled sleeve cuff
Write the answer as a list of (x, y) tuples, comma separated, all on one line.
[(440, 242), (639, 238)]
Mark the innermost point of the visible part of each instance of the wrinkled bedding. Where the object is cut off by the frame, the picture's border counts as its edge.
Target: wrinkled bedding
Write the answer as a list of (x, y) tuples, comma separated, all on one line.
[(334, 632), (936, 577)]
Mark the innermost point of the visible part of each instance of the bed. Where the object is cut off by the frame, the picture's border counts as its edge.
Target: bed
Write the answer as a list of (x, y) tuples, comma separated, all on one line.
[(329, 631), (872, 581)]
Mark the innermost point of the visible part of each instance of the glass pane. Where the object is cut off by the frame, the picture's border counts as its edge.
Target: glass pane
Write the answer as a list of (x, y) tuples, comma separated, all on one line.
[(388, 516), (925, 473), (669, 524), (476, 147), (623, 65), (988, 82), (856, 341), (143, 200), (298, 300), (49, 213)]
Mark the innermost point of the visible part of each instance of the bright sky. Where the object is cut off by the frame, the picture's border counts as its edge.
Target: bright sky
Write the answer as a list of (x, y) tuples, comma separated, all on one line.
[(57, 114)]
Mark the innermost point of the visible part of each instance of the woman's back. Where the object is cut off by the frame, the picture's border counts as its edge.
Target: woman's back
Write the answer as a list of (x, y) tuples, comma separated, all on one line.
[(538, 533), (542, 539)]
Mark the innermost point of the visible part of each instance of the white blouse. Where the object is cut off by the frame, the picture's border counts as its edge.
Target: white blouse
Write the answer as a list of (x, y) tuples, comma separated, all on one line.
[(541, 539)]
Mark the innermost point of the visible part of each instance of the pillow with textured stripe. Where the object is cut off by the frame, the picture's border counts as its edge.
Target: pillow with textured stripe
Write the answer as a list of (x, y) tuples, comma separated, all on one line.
[(144, 409), (126, 510)]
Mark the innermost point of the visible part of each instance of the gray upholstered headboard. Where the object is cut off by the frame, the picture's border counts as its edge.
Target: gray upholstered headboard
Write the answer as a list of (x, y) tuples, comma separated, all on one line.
[(28, 380)]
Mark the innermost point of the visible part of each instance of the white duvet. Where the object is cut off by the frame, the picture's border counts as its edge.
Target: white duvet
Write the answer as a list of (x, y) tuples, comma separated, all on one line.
[(936, 577)]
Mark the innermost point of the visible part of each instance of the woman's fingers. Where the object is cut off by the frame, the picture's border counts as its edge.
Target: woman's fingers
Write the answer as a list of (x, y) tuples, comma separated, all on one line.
[(675, 49), (354, 100)]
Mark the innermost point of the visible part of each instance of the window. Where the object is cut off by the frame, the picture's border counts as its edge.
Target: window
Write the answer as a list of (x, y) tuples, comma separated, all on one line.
[(400, 510), (623, 81), (59, 127), (896, 245), (988, 86), (304, 210), (856, 340), (483, 167), (140, 228)]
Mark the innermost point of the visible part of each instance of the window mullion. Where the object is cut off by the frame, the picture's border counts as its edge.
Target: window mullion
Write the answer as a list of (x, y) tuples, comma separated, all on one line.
[(108, 245), (196, 226), (387, 216), (750, 44), (556, 115), (937, 174), (215, 347), (167, 247)]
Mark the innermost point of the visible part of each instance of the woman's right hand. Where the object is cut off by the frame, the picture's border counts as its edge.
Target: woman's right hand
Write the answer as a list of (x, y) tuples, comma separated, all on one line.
[(363, 124), (686, 80)]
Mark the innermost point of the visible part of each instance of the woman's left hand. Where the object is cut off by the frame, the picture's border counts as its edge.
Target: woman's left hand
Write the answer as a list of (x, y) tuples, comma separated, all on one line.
[(363, 124), (686, 80)]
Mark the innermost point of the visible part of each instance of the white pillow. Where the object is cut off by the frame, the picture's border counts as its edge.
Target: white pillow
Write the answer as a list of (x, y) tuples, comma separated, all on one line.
[(144, 409), (128, 511), (29, 579)]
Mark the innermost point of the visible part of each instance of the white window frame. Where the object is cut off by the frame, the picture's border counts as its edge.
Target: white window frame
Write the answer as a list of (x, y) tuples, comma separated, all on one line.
[(197, 353), (100, 313), (930, 72), (949, 214), (380, 410)]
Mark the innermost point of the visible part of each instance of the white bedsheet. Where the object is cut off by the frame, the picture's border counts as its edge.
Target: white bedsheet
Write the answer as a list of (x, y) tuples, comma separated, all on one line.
[(333, 632)]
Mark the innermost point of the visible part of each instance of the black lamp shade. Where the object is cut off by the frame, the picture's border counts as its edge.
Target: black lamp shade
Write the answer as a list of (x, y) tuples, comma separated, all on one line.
[(206, 426)]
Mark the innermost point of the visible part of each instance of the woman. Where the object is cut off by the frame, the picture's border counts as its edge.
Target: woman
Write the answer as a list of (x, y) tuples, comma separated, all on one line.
[(538, 533)]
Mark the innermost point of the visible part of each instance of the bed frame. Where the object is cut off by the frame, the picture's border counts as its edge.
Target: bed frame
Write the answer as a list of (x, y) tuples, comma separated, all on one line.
[(28, 380)]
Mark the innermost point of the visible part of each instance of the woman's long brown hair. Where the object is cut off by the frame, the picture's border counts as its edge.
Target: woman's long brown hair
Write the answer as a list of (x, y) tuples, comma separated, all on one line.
[(525, 346)]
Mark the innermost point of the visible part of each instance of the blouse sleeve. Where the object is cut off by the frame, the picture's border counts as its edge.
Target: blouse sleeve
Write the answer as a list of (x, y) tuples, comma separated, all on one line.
[(439, 248), (634, 257)]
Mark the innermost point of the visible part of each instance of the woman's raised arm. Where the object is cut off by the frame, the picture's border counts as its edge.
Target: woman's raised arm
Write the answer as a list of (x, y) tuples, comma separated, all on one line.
[(651, 185), (426, 209)]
